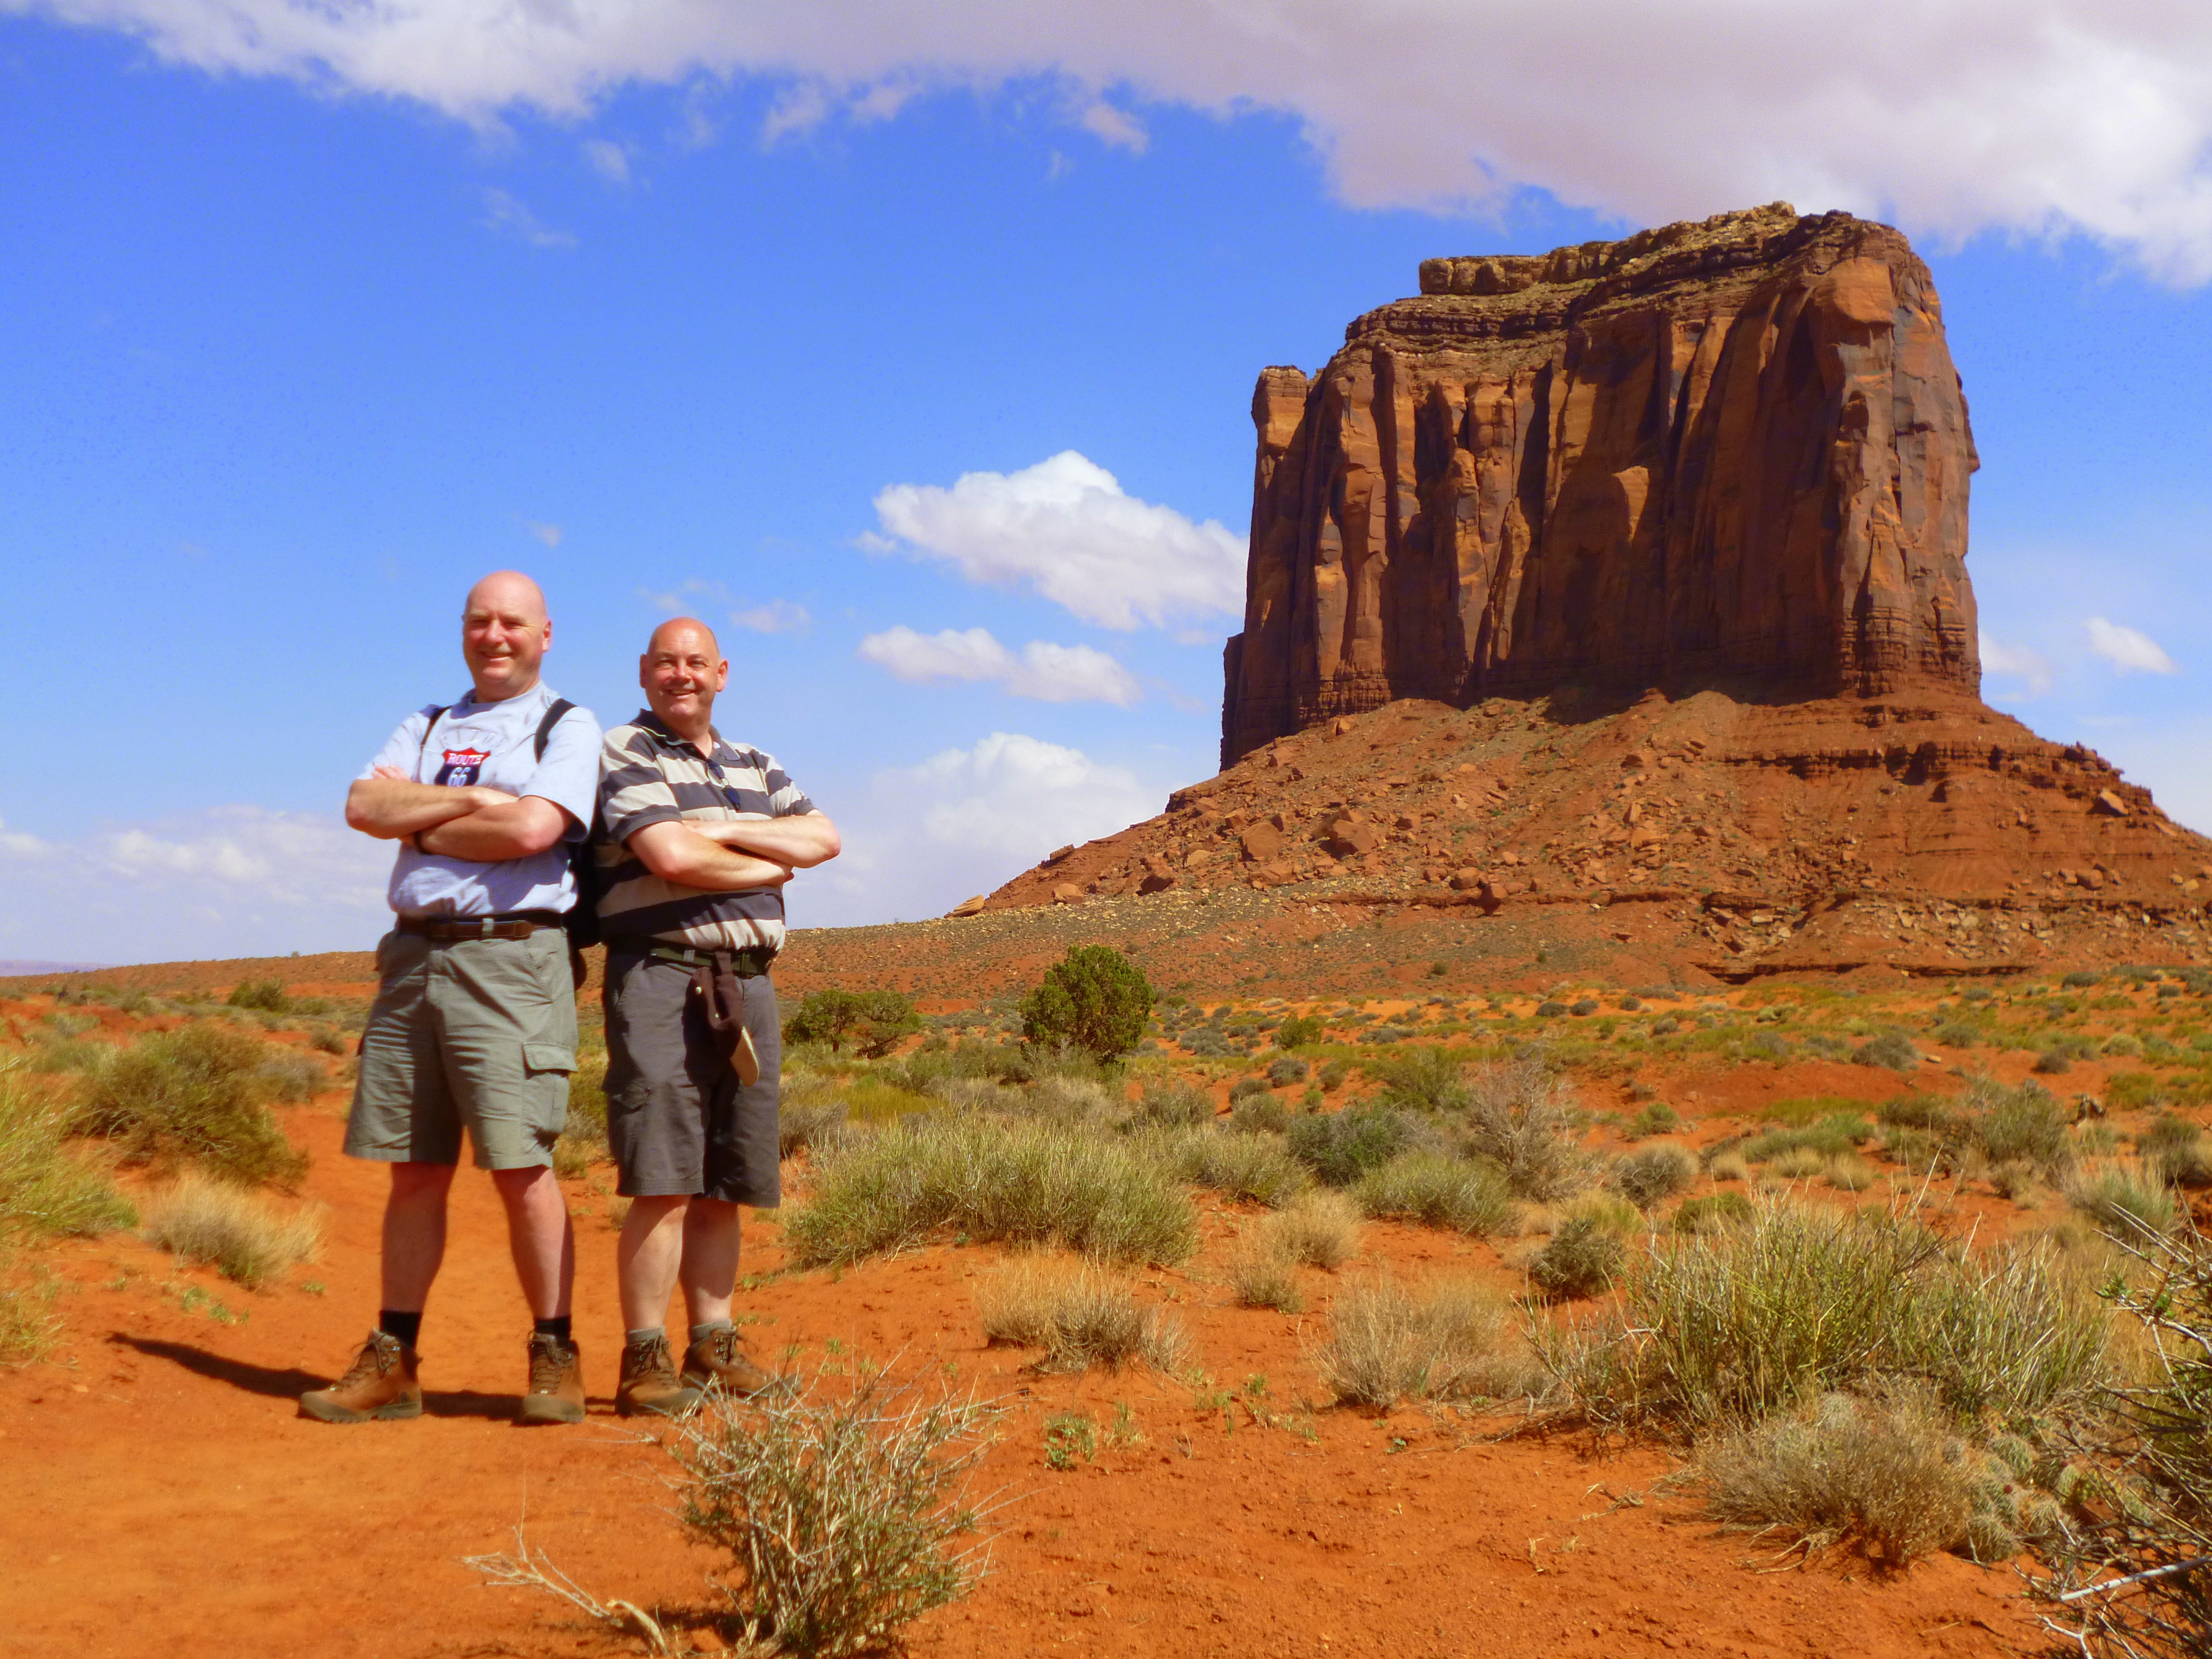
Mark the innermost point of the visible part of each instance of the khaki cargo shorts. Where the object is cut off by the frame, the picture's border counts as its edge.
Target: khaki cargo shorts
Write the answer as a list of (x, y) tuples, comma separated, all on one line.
[(479, 1034)]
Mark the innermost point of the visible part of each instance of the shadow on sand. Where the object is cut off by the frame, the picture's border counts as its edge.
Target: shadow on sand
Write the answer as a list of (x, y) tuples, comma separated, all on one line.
[(292, 1383)]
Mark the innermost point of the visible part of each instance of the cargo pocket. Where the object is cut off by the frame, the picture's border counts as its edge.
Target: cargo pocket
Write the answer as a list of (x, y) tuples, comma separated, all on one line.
[(548, 1065)]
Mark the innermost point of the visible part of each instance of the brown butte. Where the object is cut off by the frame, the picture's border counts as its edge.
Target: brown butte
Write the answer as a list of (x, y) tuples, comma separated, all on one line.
[(1634, 576)]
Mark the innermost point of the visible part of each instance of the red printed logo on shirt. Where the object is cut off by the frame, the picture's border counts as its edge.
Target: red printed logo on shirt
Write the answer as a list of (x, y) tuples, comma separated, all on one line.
[(461, 767)]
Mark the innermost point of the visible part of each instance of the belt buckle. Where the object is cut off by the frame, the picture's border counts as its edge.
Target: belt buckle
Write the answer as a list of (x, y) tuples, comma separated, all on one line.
[(484, 927)]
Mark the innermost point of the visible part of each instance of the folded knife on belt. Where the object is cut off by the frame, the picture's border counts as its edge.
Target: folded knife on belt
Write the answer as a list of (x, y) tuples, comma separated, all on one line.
[(722, 993)]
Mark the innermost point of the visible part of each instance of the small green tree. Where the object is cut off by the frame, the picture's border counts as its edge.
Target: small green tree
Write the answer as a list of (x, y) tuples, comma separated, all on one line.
[(1094, 998), (872, 1021)]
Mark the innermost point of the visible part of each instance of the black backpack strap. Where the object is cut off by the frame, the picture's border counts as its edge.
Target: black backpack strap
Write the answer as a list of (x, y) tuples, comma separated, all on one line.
[(436, 711), (560, 707)]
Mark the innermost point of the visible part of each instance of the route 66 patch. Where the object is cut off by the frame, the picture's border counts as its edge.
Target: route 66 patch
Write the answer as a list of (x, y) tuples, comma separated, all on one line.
[(461, 767)]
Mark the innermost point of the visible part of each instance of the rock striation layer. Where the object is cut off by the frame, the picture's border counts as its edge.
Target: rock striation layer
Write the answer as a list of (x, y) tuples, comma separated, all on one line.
[(1731, 454)]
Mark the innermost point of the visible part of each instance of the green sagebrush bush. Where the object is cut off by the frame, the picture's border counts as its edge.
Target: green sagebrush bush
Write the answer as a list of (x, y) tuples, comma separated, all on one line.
[(1583, 1258), (200, 1094), (988, 1178), (1340, 1147), (1437, 1191), (1093, 999), (44, 1190)]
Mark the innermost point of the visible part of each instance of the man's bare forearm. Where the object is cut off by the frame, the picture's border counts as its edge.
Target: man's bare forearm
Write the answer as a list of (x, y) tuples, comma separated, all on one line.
[(506, 829), (676, 851), (802, 841), (389, 808)]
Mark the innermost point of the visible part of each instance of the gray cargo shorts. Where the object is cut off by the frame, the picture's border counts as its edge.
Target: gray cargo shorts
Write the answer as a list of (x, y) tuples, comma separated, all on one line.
[(479, 1034), (677, 1122)]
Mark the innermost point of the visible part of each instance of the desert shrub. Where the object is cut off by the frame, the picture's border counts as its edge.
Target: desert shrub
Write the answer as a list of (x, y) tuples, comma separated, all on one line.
[(2081, 978), (198, 1093), (1248, 1166), (1340, 1147), (2018, 1183), (1071, 1102), (803, 1125), (874, 1022), (2176, 1150), (1078, 1315), (1331, 1074), (2129, 1091), (327, 1040), (1930, 1112), (838, 1507), (1423, 1079), (1797, 1164), (1656, 1119), (1847, 1174), (1830, 1137), (2023, 1124), (1298, 1032), (1094, 999), (1261, 1276), (1888, 1472), (43, 1188), (1958, 1034), (2051, 1063), (266, 995), (2152, 1471), (1025, 1182), (1892, 1049), (1319, 1230), (1582, 1007), (1550, 1009), (2123, 1046), (1260, 1114), (289, 1078), (1730, 1165), (1174, 1105), (1711, 1211), (1521, 1117), (218, 1225), (1437, 1191), (1286, 1070), (1583, 1258), (1651, 1174), (1387, 1343), (2124, 1200), (1734, 1324)]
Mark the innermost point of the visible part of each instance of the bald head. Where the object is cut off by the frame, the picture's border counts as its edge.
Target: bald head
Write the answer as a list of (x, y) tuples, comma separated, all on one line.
[(680, 671), (505, 634)]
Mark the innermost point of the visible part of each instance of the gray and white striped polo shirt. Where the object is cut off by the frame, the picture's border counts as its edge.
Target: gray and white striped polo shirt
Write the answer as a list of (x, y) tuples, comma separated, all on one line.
[(648, 774)]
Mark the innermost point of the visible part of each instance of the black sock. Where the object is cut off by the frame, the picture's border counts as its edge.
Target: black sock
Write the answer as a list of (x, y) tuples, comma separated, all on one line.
[(557, 1325), (402, 1327)]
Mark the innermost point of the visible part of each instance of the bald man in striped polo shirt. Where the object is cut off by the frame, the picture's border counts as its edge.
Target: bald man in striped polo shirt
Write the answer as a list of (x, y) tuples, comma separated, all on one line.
[(700, 835)]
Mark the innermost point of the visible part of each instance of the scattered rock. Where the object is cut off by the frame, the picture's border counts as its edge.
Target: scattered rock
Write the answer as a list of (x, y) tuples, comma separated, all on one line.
[(969, 907)]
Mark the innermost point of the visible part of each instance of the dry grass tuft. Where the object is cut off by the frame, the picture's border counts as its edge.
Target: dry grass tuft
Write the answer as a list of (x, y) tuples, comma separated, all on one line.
[(229, 1229), (839, 1509), (2125, 1200), (1387, 1343), (1436, 1190), (1078, 1315), (1654, 1173), (1321, 1230), (1263, 1277), (1888, 1473)]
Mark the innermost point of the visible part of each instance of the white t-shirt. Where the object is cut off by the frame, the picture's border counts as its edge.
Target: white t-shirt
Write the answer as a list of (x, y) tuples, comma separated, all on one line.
[(495, 743)]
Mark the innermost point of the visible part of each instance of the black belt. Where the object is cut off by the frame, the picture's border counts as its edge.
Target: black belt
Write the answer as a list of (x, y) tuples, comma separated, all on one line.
[(452, 930), (749, 963)]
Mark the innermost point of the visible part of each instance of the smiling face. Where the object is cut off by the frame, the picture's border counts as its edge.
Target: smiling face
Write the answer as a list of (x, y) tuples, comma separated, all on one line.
[(505, 632), (681, 671)]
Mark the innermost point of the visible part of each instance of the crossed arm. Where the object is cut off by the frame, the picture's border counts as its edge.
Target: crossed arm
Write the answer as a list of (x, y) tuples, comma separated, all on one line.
[(733, 855), (477, 821)]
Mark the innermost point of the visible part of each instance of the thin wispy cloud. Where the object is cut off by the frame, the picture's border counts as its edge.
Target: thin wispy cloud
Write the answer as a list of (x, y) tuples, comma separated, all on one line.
[(698, 596), (2016, 662), (1041, 670), (776, 616), (2128, 649), (1114, 127), (503, 213), (1066, 529), (548, 533), (2075, 116), (607, 159)]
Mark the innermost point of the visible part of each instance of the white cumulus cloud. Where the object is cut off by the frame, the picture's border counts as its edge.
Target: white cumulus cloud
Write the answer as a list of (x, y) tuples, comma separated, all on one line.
[(1065, 528), (776, 616), (1043, 671), (238, 880), (2016, 662), (2128, 649), (964, 821), (1952, 116)]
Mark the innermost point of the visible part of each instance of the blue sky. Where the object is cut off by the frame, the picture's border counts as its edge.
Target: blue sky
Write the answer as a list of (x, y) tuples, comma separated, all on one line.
[(294, 348)]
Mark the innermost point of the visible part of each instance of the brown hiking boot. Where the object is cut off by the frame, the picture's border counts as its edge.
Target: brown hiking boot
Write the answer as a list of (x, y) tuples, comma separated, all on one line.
[(649, 1382), (718, 1358), (381, 1383), (556, 1381)]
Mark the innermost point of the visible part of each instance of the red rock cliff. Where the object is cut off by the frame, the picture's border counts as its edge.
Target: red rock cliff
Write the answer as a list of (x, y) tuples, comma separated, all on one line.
[(1731, 454)]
